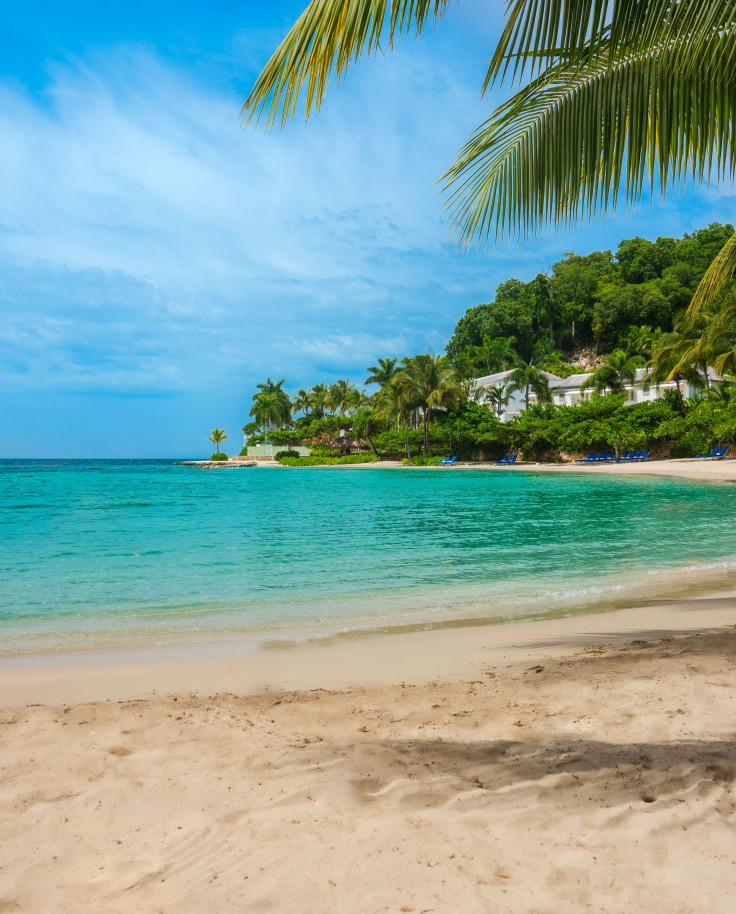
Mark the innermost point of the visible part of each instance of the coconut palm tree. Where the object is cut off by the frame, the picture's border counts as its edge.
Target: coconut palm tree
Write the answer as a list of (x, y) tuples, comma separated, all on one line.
[(342, 396), (527, 377), (271, 405), (642, 91), (614, 374), (430, 382), (394, 404), (666, 364), (217, 436), (495, 354), (718, 343), (271, 392), (498, 397), (383, 372), (318, 396), (302, 402)]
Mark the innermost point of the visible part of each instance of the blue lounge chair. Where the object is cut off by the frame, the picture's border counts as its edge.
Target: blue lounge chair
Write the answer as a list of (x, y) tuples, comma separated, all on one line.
[(713, 453), (502, 461), (441, 463), (642, 455), (449, 462), (722, 453), (604, 456), (624, 457), (512, 459), (589, 459)]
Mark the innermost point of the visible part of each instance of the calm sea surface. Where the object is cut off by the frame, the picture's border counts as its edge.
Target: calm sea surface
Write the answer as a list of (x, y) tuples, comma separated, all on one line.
[(96, 553)]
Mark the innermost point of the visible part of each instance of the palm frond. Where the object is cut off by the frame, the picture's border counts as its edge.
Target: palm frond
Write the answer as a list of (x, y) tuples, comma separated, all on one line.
[(575, 27), (560, 147), (327, 38), (715, 278)]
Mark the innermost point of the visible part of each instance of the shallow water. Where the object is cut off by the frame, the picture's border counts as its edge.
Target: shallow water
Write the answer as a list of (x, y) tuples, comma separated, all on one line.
[(100, 553)]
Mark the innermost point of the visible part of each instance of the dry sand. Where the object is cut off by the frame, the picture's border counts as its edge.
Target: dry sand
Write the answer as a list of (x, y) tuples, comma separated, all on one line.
[(581, 764)]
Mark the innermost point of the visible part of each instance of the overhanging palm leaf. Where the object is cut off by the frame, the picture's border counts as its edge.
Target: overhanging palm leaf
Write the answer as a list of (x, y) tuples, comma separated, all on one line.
[(716, 276), (561, 146), (537, 30), (328, 37)]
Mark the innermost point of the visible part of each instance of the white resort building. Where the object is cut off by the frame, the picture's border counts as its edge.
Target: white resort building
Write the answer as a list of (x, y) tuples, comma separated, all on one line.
[(568, 392)]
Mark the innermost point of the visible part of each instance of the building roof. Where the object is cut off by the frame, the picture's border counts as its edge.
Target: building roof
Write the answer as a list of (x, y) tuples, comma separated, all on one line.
[(491, 380)]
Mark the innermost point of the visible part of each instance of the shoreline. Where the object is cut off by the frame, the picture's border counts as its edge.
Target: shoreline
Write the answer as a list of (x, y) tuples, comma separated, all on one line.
[(690, 468), (364, 659)]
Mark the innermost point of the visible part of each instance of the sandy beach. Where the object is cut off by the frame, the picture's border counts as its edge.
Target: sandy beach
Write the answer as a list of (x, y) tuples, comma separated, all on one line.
[(575, 764)]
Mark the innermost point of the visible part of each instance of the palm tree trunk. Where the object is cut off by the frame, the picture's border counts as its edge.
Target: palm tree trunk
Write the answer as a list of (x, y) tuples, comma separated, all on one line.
[(406, 434)]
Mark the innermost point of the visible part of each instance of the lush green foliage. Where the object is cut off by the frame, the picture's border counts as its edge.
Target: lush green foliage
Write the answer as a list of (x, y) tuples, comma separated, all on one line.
[(244, 452), (279, 455), (596, 300), (219, 456), (313, 461)]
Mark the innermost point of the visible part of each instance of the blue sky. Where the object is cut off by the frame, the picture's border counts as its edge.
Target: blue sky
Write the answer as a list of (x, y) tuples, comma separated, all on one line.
[(157, 260)]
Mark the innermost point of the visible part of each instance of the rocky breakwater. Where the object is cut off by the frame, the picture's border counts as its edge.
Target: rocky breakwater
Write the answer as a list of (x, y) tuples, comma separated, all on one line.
[(217, 464)]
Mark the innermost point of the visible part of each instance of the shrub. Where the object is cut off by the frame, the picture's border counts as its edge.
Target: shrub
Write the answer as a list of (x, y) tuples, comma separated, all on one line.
[(244, 452), (424, 461), (219, 456), (313, 461), (280, 454)]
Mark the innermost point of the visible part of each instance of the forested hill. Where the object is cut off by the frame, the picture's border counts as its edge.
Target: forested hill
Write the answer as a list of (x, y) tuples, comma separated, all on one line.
[(596, 301)]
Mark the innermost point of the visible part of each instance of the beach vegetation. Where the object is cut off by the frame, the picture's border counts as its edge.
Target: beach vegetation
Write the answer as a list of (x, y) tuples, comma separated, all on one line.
[(219, 456), (217, 436), (315, 461)]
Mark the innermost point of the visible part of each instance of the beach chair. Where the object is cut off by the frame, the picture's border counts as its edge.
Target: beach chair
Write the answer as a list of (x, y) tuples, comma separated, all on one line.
[(642, 455), (589, 459), (449, 463), (512, 459), (713, 453), (502, 461), (604, 456), (441, 463), (622, 459), (722, 453)]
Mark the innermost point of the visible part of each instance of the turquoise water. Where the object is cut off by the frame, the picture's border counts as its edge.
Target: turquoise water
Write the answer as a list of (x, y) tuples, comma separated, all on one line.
[(120, 552)]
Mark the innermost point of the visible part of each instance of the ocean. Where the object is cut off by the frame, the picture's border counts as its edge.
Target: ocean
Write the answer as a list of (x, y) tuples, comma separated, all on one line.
[(104, 553)]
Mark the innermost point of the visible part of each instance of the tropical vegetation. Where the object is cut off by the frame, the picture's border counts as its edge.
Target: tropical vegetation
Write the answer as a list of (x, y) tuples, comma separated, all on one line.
[(217, 436), (607, 314)]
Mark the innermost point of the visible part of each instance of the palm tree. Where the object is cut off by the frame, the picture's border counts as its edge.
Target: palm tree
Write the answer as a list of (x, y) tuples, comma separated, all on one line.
[(718, 343), (530, 379), (498, 397), (393, 403), (383, 372), (688, 347), (666, 365), (614, 374), (642, 91), (302, 402), (318, 396), (642, 340), (271, 405), (430, 382), (217, 436), (271, 392), (341, 396), (495, 354)]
